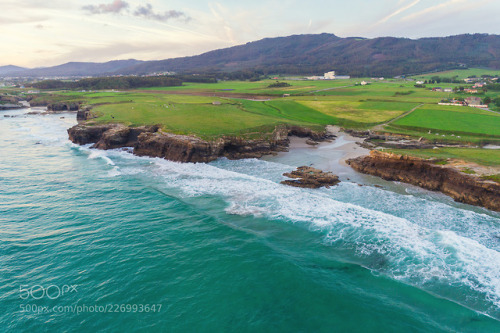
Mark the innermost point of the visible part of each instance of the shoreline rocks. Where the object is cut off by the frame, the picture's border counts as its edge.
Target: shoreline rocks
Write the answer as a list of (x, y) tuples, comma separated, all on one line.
[(11, 106), (308, 177), (151, 141), (371, 140), (423, 173)]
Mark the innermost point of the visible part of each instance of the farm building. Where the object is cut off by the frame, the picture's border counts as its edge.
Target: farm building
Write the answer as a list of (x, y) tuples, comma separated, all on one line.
[(330, 75), (473, 101)]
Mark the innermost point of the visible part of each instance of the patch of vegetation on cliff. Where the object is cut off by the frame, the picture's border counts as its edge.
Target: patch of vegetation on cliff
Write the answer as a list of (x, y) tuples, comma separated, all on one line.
[(487, 157), (495, 178)]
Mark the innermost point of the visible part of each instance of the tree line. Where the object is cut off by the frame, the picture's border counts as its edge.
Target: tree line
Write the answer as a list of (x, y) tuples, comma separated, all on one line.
[(120, 82)]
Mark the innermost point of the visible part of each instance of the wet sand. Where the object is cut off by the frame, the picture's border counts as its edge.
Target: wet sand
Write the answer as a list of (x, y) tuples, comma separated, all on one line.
[(327, 156)]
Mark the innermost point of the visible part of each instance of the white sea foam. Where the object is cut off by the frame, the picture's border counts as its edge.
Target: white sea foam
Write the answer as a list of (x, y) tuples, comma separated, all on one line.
[(94, 154), (22, 129), (114, 172), (414, 252), (410, 233)]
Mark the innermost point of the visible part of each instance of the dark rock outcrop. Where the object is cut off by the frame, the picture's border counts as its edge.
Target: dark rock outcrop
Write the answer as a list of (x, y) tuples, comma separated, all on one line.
[(10, 99), (149, 141), (461, 187), (304, 132), (64, 106), (180, 148), (122, 136), (82, 134), (83, 114), (108, 136), (308, 177)]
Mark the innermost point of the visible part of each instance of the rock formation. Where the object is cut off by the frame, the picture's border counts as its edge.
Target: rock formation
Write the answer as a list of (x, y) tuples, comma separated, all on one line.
[(461, 187), (63, 106), (150, 141), (308, 177)]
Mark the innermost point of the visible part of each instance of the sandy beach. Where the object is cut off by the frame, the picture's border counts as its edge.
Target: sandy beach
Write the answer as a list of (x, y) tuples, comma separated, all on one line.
[(327, 155)]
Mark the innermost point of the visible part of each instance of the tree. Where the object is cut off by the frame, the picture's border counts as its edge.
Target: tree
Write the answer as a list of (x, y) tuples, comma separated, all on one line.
[(487, 100)]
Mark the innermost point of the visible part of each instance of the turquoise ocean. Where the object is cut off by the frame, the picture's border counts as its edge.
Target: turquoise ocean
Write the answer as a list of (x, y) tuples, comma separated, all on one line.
[(107, 241)]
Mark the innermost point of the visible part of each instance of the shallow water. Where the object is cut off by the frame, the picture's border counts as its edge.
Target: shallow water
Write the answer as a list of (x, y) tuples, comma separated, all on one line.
[(224, 247)]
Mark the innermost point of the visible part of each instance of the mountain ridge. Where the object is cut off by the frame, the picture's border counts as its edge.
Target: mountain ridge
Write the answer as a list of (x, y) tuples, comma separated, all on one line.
[(312, 54), (10, 69), (78, 69)]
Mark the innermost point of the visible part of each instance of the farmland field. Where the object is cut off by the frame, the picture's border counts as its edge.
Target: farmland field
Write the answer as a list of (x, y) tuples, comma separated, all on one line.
[(459, 121), (361, 111)]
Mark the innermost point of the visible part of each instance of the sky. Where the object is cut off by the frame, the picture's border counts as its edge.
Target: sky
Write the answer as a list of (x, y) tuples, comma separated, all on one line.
[(37, 33)]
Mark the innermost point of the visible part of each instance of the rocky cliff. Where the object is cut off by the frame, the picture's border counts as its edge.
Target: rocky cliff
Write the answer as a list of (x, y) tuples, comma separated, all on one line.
[(461, 187), (150, 141)]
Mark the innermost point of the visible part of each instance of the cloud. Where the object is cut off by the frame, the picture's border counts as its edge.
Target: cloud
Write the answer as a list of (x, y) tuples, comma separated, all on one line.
[(432, 10), (398, 11), (115, 7), (147, 12)]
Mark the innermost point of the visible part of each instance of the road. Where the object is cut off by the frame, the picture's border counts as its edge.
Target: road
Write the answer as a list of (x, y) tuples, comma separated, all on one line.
[(381, 126)]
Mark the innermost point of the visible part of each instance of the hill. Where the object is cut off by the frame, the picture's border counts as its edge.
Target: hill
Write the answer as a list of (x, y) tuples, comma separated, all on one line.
[(79, 69), (6, 70), (313, 54), (307, 54)]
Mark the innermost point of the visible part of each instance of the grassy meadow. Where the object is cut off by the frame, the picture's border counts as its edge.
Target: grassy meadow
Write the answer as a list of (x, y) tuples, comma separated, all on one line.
[(452, 121), (488, 157)]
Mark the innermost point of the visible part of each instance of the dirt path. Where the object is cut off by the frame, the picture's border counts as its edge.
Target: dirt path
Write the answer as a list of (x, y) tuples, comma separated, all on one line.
[(381, 126)]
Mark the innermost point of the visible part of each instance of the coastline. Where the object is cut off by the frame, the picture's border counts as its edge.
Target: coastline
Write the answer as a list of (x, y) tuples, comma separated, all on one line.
[(152, 141), (425, 174), (345, 152)]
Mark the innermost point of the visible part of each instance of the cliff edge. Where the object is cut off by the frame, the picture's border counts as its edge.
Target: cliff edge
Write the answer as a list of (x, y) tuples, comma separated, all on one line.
[(151, 141), (412, 170)]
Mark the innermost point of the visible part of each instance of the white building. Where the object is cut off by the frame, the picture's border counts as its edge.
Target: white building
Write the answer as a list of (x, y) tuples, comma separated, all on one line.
[(330, 75)]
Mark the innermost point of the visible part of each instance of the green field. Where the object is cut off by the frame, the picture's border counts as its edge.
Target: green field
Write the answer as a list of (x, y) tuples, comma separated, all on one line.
[(197, 115), (297, 87), (370, 112), (488, 157), (453, 121)]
